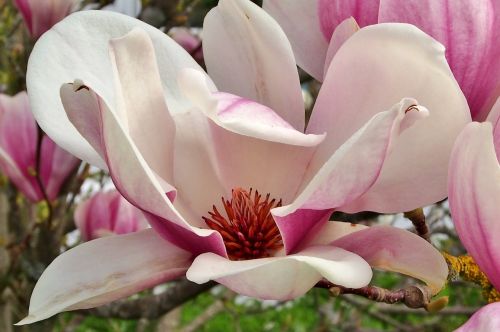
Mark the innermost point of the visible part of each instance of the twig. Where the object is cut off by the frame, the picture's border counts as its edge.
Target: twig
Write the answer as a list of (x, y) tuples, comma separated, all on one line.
[(208, 314), (151, 306), (412, 296), (366, 307), (451, 311), (417, 218)]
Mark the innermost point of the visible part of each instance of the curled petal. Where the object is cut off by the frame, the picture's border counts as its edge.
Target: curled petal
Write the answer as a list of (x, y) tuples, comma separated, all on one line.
[(256, 61), (132, 176), (96, 273), (285, 277), (309, 45), (402, 62), (349, 172), (84, 39), (252, 145), (470, 32), (394, 249), (485, 319), (474, 193), (138, 85), (241, 116)]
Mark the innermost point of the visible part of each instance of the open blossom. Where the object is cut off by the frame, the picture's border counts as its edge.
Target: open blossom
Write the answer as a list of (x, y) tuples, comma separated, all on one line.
[(470, 31), (18, 151), (41, 15), (107, 213), (234, 188)]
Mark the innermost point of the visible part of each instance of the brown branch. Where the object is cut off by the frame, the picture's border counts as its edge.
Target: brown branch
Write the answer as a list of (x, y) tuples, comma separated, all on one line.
[(417, 218), (151, 306), (451, 311), (205, 316), (411, 296)]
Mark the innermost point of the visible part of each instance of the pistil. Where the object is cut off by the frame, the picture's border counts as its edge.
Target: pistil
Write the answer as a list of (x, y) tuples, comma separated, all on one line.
[(248, 229)]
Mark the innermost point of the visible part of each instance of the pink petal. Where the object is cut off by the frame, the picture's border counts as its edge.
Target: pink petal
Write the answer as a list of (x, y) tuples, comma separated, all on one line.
[(18, 144), (84, 38), (96, 273), (494, 118), (56, 166), (196, 166), (474, 193), (247, 54), (25, 10), (330, 231), (470, 31), (332, 12), (147, 118), (402, 62), (253, 146), (344, 31), (299, 20), (485, 319), (130, 173), (285, 277), (107, 213), (44, 14), (393, 249), (349, 172)]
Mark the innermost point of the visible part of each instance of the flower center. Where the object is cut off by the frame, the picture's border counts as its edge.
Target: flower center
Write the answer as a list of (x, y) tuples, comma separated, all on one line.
[(249, 230)]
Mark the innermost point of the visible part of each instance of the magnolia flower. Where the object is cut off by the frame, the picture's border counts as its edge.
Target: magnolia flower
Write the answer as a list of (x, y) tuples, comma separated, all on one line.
[(41, 15), (234, 189), (470, 31), (474, 192), (484, 320), (18, 151), (107, 213)]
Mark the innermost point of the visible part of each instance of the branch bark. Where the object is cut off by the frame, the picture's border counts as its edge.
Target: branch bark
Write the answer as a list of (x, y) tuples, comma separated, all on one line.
[(151, 306)]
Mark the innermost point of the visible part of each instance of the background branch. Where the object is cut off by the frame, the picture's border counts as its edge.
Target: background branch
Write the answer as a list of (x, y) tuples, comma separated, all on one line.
[(151, 306)]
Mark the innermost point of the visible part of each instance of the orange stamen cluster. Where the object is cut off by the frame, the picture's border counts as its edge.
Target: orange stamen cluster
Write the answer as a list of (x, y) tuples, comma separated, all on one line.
[(249, 230)]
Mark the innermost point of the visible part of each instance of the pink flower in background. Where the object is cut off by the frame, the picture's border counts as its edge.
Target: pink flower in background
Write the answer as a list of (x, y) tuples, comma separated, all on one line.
[(107, 213), (189, 39), (470, 31), (18, 151), (41, 15), (474, 192), (486, 319), (234, 185)]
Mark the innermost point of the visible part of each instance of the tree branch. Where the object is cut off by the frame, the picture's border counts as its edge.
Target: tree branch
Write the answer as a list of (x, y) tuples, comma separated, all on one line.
[(151, 306), (412, 296)]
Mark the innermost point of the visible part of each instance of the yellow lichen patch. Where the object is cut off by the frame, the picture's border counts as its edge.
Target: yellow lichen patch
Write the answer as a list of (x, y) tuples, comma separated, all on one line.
[(465, 267)]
